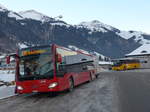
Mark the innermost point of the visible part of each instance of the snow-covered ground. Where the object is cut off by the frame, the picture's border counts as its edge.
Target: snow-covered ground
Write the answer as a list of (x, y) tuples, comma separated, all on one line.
[(7, 76), (7, 91)]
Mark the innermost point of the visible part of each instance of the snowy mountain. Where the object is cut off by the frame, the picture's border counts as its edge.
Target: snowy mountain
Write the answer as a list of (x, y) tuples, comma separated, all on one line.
[(137, 36), (15, 15), (96, 25), (25, 29), (32, 14), (10, 13), (2, 8)]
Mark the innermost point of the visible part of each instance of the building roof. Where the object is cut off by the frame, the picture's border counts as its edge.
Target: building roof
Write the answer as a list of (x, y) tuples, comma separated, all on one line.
[(105, 63), (142, 50)]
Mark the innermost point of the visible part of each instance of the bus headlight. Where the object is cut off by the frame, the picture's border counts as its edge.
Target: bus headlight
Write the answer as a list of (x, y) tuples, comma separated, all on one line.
[(19, 88), (53, 85)]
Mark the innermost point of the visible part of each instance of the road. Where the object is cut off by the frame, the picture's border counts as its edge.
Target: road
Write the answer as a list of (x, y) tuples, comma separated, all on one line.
[(134, 91), (112, 92)]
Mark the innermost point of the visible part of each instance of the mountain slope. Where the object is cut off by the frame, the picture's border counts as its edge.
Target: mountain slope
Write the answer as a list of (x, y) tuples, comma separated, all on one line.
[(32, 14), (97, 26), (2, 8), (140, 37), (34, 28)]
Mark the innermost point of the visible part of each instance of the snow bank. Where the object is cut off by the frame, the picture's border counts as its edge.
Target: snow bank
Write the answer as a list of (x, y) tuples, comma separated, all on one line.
[(7, 76), (7, 91)]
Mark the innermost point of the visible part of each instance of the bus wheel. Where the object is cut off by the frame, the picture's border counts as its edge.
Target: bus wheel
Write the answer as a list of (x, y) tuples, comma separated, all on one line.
[(71, 85)]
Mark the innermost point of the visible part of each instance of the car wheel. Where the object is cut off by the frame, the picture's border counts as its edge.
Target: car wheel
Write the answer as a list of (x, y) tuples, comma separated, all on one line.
[(71, 84)]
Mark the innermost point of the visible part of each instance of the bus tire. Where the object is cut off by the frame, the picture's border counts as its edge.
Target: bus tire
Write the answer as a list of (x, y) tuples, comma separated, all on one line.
[(71, 84)]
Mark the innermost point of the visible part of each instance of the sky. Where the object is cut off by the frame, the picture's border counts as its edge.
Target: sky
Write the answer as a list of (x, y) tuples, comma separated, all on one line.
[(123, 14)]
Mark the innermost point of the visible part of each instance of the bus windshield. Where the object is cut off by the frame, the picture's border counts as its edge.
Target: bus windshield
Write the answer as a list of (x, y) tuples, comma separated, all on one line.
[(37, 66), (117, 64)]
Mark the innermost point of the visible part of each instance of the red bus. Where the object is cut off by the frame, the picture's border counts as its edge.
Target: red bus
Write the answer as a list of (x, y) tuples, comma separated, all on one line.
[(52, 68)]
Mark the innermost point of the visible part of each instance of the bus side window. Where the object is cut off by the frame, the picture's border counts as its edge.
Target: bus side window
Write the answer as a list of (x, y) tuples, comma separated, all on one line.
[(143, 61), (61, 70)]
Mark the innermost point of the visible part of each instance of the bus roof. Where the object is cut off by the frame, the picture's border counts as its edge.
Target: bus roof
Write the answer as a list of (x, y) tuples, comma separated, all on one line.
[(65, 48), (119, 59), (32, 47)]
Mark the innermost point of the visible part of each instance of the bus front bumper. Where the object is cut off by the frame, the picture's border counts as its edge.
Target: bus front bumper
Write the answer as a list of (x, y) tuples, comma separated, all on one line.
[(36, 86)]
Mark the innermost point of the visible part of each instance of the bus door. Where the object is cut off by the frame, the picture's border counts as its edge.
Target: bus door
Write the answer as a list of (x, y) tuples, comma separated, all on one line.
[(74, 70)]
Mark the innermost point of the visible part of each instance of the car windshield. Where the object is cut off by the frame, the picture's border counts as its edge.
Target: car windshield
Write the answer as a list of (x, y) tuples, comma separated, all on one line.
[(37, 66)]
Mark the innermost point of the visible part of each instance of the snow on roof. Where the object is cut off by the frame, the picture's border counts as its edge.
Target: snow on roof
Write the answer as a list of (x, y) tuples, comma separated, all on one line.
[(73, 47), (98, 54), (83, 51), (32, 14), (95, 25), (5, 76), (105, 63), (142, 50)]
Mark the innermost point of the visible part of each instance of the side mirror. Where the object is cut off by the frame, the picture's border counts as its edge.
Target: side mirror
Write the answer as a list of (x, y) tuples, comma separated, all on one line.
[(9, 56), (85, 68), (58, 58), (8, 59)]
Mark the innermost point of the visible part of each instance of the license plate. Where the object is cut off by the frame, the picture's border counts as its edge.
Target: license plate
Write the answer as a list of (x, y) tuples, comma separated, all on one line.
[(35, 91)]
